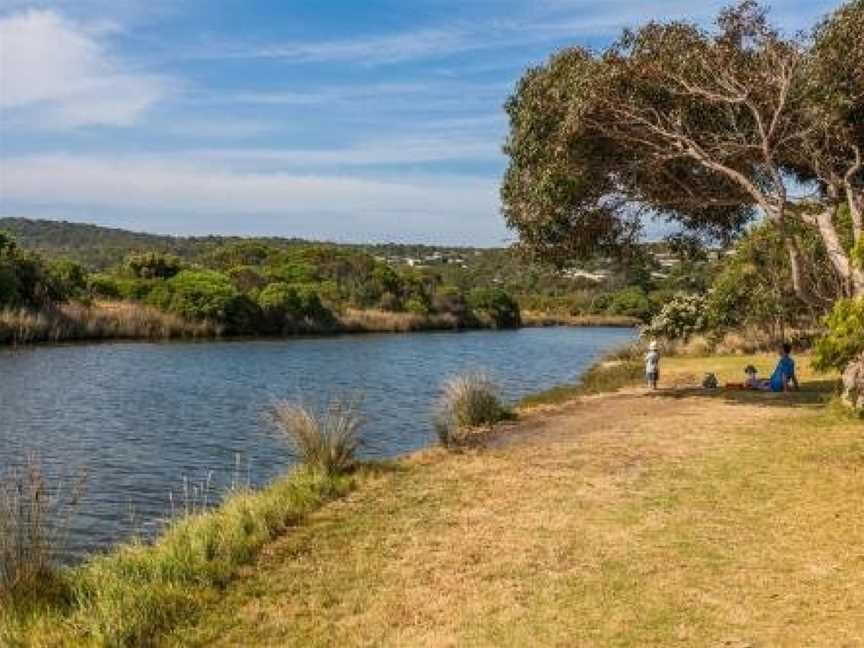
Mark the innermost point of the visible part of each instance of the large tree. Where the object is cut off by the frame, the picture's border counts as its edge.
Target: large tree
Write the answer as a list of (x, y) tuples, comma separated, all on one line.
[(707, 128)]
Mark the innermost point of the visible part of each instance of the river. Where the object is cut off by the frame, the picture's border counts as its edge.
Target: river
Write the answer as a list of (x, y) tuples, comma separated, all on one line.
[(149, 423)]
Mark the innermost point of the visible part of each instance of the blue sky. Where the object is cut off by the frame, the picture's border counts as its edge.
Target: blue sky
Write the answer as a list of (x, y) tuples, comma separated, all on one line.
[(348, 120)]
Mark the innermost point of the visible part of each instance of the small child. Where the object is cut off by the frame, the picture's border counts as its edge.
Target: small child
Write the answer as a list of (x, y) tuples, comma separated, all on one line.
[(752, 381), (652, 365)]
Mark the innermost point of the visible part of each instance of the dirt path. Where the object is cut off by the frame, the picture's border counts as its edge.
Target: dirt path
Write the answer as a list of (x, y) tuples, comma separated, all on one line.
[(627, 519)]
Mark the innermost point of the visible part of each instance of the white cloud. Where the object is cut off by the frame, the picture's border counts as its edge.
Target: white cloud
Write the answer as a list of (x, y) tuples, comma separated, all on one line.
[(338, 206), (55, 74)]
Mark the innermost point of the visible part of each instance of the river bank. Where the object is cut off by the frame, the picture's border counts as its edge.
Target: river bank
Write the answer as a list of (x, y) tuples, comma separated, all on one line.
[(644, 518), (105, 320)]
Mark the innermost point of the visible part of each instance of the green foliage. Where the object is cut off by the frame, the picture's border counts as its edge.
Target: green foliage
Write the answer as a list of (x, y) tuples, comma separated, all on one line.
[(468, 402), (67, 279), (286, 306), (153, 265), (632, 302), (495, 304), (679, 318), (844, 339), (202, 294), (754, 284)]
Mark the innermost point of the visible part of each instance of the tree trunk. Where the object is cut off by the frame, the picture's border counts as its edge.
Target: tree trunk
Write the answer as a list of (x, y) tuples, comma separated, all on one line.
[(853, 384)]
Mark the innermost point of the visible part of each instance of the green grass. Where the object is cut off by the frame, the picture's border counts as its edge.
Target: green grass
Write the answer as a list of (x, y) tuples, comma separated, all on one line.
[(603, 377), (130, 595)]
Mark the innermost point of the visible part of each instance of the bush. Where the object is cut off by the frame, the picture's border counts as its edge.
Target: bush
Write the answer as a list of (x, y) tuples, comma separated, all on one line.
[(496, 305), (632, 302), (416, 307), (286, 306), (468, 402), (153, 265), (679, 318), (326, 440), (202, 294), (67, 280), (844, 340)]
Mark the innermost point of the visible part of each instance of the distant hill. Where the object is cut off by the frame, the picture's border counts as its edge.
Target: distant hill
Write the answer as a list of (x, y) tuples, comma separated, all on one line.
[(99, 247)]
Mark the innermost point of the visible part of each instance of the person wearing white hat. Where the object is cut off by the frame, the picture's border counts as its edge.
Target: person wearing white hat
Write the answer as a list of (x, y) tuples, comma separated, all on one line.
[(652, 365)]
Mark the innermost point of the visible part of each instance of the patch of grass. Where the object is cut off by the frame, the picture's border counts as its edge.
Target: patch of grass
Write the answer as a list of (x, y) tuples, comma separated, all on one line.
[(325, 440), (34, 521), (469, 402), (603, 377), (130, 595)]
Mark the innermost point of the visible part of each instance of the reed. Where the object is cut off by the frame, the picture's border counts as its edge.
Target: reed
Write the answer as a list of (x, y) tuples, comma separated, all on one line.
[(100, 320), (378, 321)]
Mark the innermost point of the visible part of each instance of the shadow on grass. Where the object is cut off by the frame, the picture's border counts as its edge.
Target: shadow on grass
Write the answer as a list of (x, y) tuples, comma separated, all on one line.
[(813, 394)]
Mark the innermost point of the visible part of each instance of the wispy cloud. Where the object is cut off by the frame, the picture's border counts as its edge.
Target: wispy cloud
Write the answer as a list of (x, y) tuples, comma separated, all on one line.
[(55, 74)]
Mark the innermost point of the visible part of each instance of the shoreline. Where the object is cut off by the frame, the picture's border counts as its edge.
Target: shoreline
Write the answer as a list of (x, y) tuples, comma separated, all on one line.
[(217, 558), (130, 322)]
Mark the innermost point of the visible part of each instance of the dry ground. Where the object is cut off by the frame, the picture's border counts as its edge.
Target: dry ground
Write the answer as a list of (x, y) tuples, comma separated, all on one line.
[(632, 519)]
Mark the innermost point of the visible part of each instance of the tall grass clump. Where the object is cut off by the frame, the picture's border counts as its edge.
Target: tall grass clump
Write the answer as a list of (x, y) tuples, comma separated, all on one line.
[(325, 440), (139, 591), (469, 402), (34, 523)]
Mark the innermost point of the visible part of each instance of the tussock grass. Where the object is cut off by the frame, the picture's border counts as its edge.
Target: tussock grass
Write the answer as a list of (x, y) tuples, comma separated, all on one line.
[(326, 440), (469, 402), (129, 596), (101, 320)]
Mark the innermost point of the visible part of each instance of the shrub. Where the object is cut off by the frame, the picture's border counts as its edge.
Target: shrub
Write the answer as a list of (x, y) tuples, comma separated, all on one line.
[(632, 302), (468, 402), (67, 280), (286, 306), (326, 440), (202, 294), (153, 265), (844, 339), (496, 305), (679, 318), (416, 307)]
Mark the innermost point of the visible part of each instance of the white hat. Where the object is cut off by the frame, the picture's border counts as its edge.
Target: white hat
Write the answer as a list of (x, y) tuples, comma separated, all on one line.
[(653, 345)]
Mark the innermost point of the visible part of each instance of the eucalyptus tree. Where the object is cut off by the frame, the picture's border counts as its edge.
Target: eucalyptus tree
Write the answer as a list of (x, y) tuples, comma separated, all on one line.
[(709, 128)]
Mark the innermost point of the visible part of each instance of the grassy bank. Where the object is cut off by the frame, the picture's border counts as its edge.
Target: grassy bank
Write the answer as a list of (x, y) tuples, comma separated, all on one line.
[(684, 517), (133, 593)]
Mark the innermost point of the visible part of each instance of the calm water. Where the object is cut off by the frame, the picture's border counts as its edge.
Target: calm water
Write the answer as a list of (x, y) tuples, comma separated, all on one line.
[(142, 418)]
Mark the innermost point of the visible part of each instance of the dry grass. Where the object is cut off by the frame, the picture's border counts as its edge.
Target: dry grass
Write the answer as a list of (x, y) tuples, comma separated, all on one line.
[(541, 319), (101, 320), (378, 321), (677, 518), (326, 440)]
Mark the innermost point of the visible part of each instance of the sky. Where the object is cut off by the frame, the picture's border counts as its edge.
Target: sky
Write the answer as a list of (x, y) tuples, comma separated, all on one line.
[(344, 120)]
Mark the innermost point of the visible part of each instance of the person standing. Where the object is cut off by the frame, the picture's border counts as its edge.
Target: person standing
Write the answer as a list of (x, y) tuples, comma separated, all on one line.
[(652, 365)]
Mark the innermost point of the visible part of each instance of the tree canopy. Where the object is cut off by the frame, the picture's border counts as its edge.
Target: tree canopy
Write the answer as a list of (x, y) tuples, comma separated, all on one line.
[(706, 128)]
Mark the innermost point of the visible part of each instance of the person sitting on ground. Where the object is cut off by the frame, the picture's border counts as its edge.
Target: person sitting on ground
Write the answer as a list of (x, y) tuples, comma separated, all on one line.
[(752, 381), (652, 365), (784, 378)]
